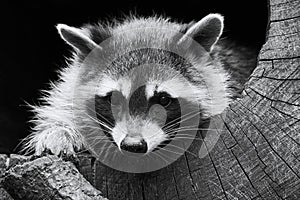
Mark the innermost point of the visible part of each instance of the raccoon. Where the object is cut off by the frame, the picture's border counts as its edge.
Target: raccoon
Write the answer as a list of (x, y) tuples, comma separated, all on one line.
[(144, 69)]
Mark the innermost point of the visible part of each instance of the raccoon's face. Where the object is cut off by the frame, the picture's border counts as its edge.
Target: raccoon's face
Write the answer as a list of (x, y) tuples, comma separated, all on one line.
[(139, 97), (141, 127), (141, 110)]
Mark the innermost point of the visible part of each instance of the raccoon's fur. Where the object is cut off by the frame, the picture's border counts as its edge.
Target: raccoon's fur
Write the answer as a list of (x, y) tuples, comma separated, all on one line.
[(63, 120)]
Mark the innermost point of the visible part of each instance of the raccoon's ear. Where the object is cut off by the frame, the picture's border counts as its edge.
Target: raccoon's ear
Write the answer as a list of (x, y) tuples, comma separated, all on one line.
[(206, 32), (77, 38)]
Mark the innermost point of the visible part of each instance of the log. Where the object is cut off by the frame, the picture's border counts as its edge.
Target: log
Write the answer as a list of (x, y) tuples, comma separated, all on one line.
[(48, 177), (257, 153), (3, 166)]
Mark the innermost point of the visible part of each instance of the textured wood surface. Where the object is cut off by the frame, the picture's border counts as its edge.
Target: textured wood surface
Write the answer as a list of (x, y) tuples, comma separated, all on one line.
[(44, 178), (3, 165)]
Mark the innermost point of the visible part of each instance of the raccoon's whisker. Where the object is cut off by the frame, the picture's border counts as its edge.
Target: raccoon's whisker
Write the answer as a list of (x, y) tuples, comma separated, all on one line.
[(107, 121), (115, 153), (182, 120), (181, 128), (156, 153), (162, 153), (105, 150), (180, 134), (93, 127), (185, 150), (174, 121), (188, 117), (97, 142), (79, 152), (182, 116), (101, 140), (164, 148), (173, 131), (171, 126), (99, 122), (178, 138), (92, 118), (100, 136), (190, 129), (184, 134), (178, 131)]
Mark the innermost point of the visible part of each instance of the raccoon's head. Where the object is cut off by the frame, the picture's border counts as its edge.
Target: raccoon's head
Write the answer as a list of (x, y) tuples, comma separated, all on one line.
[(154, 80)]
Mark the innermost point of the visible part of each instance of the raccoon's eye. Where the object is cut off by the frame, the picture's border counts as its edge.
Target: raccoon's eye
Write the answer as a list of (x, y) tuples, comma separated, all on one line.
[(165, 101)]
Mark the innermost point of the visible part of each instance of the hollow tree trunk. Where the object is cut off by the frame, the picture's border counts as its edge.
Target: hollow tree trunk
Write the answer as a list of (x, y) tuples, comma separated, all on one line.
[(257, 153)]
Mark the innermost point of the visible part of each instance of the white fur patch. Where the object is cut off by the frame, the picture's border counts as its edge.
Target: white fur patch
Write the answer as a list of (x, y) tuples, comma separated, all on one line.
[(125, 86), (215, 79), (153, 135), (108, 84), (177, 87), (150, 89), (119, 132), (137, 128)]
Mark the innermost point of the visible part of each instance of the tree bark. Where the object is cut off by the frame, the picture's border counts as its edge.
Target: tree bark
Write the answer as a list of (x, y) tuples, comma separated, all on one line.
[(257, 154), (48, 177)]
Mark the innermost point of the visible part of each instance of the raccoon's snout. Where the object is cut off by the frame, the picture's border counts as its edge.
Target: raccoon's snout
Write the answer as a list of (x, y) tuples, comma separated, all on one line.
[(137, 146)]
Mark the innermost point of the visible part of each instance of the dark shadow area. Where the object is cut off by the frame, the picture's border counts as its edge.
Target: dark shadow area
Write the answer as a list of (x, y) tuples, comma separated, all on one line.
[(32, 50)]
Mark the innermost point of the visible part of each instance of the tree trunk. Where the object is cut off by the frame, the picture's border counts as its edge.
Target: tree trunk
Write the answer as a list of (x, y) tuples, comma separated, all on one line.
[(255, 153)]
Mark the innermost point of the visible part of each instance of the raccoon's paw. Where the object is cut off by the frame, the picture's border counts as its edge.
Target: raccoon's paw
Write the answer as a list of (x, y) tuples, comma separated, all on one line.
[(58, 142)]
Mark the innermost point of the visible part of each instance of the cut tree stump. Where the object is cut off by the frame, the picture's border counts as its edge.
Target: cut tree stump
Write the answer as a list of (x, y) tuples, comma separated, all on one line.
[(257, 153)]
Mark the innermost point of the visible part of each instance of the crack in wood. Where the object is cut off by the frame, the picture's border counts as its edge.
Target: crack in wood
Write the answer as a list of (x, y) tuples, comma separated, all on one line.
[(245, 152), (283, 113), (191, 177), (273, 100), (281, 58), (285, 19)]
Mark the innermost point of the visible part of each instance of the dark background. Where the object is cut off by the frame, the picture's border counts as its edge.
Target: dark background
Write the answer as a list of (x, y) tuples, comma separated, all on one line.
[(31, 50)]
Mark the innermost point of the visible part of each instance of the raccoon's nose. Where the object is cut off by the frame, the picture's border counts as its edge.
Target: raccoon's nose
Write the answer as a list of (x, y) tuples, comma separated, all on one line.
[(137, 147)]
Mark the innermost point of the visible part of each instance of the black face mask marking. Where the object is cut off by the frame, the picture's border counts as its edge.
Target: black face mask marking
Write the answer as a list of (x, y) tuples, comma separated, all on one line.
[(173, 110), (104, 113), (139, 106)]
